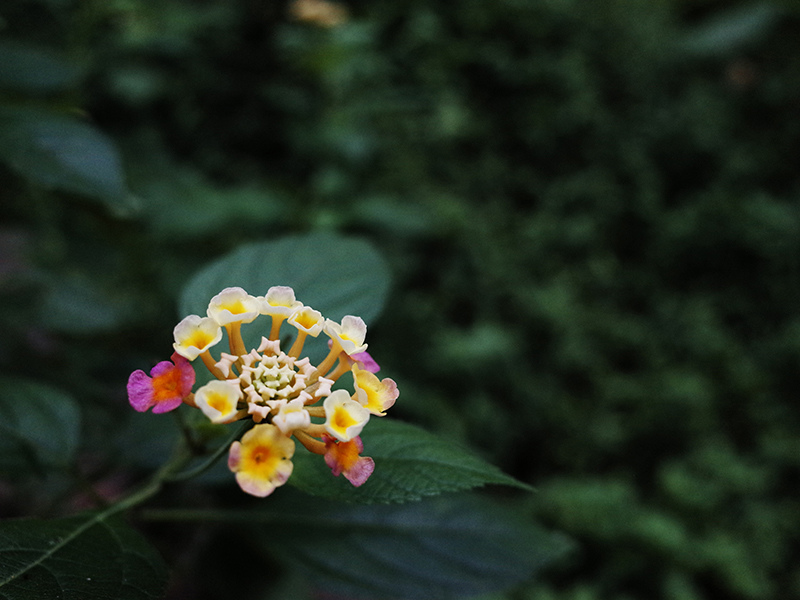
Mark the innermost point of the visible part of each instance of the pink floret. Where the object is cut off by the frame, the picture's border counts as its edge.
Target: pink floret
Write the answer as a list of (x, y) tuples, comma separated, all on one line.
[(344, 458), (166, 387)]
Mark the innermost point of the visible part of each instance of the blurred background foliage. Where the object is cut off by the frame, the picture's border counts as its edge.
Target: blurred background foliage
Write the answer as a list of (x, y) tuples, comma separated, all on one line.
[(589, 208)]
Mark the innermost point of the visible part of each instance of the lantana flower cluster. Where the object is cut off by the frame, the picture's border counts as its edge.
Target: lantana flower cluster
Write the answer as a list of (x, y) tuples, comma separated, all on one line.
[(286, 396)]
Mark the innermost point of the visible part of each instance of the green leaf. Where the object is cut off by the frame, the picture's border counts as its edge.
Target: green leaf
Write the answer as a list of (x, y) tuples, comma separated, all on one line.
[(28, 68), (38, 424), (448, 547), (333, 274), (183, 203), (60, 152), (77, 558), (79, 306), (410, 463)]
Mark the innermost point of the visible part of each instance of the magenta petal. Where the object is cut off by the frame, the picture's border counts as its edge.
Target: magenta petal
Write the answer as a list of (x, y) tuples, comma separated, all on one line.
[(187, 374), (161, 368), (140, 391), (360, 472), (167, 405), (333, 464), (366, 362)]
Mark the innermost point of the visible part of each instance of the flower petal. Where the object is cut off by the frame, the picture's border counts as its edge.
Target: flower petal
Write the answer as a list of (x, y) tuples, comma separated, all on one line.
[(279, 301), (366, 362), (291, 415), (345, 418), (343, 459), (350, 334), (375, 395), (218, 400), (140, 391), (261, 460), (233, 305), (194, 335), (308, 320)]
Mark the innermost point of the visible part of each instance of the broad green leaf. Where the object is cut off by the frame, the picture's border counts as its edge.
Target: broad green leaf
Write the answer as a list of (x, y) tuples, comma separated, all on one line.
[(447, 547), (77, 558), (181, 202), (28, 68), (410, 463), (333, 274), (79, 306), (39, 424), (61, 152)]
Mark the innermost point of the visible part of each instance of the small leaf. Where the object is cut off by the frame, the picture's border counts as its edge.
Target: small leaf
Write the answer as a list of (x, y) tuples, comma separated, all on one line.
[(75, 558), (410, 463), (28, 68), (60, 152), (447, 547), (333, 274), (38, 423)]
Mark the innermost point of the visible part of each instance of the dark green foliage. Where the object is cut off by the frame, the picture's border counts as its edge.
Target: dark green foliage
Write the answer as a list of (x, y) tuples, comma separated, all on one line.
[(78, 557), (589, 208), (440, 548)]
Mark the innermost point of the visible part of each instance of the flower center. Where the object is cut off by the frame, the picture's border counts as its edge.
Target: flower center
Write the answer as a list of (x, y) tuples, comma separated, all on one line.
[(269, 374), (261, 454), (200, 339)]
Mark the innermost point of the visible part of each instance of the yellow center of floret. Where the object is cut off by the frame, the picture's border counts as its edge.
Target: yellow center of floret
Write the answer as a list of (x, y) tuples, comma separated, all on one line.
[(261, 461), (199, 339), (235, 308), (342, 419), (306, 319), (219, 403)]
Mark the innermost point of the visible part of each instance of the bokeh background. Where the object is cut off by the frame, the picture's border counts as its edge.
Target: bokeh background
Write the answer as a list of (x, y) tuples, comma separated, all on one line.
[(589, 207)]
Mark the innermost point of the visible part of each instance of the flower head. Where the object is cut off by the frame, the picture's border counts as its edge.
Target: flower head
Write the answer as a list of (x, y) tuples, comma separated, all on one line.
[(284, 394), (344, 458), (166, 387), (262, 460)]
